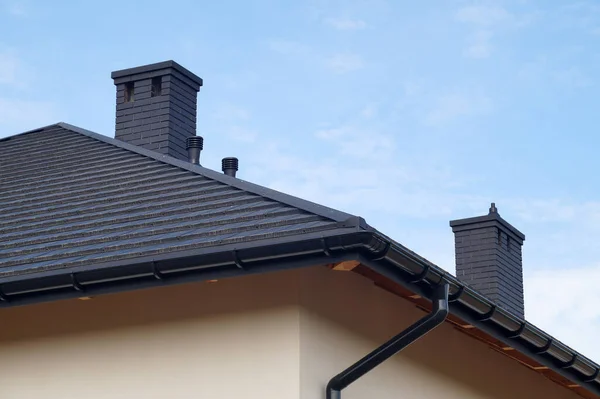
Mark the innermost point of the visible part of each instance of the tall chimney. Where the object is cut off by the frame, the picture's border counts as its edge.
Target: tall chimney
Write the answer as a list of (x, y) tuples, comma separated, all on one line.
[(489, 258), (156, 107)]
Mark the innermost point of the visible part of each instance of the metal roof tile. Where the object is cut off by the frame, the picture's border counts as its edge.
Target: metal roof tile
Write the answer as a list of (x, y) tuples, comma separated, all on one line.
[(82, 198)]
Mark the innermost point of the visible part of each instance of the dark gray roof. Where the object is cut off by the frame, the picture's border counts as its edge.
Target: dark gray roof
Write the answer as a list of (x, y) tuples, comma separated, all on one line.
[(71, 197)]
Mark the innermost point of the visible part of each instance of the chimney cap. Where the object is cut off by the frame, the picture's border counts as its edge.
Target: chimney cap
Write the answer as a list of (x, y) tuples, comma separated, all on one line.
[(150, 68), (492, 218)]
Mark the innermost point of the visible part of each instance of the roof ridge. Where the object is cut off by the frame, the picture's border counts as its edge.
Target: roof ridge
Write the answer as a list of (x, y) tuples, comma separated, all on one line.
[(38, 129), (346, 219)]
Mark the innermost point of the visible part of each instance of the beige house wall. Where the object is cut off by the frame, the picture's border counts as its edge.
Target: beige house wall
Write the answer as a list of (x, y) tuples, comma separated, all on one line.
[(236, 338), (281, 335), (345, 316)]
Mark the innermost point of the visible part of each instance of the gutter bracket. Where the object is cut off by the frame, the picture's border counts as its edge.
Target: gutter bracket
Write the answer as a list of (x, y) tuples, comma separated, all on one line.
[(487, 316), (326, 249), (237, 261), (421, 276), (439, 312), (156, 273), (517, 333), (570, 363), (545, 348), (3, 296), (381, 254), (456, 296), (76, 284), (593, 376)]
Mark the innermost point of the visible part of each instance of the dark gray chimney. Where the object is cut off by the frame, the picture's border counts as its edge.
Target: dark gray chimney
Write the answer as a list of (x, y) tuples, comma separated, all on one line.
[(488, 258), (156, 107)]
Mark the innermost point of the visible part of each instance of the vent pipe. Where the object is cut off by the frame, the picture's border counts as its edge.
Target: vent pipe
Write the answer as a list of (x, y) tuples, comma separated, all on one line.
[(194, 146), (229, 166)]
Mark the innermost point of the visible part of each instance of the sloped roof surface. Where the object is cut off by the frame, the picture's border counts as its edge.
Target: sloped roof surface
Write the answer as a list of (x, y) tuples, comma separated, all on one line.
[(70, 197)]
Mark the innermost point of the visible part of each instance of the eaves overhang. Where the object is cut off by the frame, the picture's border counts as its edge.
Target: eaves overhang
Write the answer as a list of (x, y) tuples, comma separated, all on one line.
[(376, 252)]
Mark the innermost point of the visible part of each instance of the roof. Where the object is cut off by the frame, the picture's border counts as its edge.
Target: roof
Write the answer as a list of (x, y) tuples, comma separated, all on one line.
[(74, 198), (83, 214)]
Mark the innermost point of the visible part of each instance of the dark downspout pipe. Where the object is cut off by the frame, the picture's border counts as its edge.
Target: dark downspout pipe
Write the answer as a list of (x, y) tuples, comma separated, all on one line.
[(436, 317)]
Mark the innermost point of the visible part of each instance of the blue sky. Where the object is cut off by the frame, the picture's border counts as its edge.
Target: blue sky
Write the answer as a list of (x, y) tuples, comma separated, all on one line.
[(405, 113)]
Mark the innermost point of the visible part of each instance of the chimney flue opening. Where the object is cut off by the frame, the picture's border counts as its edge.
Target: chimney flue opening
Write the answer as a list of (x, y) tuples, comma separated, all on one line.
[(195, 144), (229, 166)]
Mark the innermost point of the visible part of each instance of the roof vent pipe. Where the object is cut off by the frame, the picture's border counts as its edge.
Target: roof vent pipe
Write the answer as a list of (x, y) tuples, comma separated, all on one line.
[(229, 166), (194, 146)]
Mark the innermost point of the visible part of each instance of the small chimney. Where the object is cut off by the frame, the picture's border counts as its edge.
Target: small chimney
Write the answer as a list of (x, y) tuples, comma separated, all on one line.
[(156, 107), (489, 258), (229, 166), (194, 145)]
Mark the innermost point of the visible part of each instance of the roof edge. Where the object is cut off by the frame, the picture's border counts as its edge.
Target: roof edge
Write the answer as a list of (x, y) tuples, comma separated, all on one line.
[(373, 250), (418, 275), (39, 129), (268, 193)]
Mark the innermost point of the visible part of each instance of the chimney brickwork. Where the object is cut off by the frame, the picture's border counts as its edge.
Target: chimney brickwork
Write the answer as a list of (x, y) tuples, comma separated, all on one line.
[(489, 259), (156, 107)]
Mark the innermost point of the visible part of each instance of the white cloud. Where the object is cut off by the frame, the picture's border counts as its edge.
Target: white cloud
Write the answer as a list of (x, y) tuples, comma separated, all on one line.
[(342, 63), (483, 15), (449, 107), (543, 210), (289, 47), (556, 210), (235, 120), (9, 69), (17, 9), (564, 302), (231, 112), (241, 134), (13, 71), (572, 77), (343, 23), (338, 63), (386, 192), (542, 71), (479, 45), (359, 143), (581, 16), (486, 21), (330, 134), (369, 111), (364, 172)]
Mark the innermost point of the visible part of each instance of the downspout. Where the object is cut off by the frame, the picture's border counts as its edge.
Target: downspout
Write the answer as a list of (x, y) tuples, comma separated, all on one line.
[(436, 317)]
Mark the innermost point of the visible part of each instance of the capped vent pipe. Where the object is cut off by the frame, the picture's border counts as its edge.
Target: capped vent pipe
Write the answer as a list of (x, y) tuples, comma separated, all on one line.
[(229, 166), (194, 146)]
